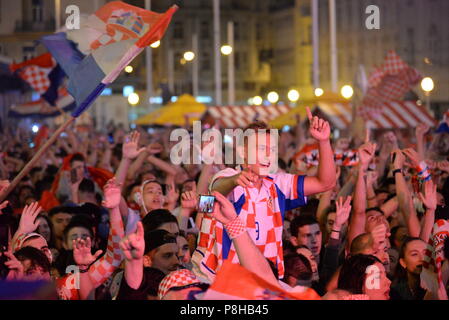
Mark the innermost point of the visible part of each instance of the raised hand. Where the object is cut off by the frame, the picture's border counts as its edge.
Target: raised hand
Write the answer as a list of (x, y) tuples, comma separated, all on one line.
[(399, 159), (421, 129), (154, 148), (429, 197), (443, 166), (189, 200), (172, 193), (366, 153), (343, 210), (224, 210), (133, 245), (245, 178), (28, 221), (413, 156), (319, 128), (130, 149), (15, 266), (82, 253), (379, 234), (112, 194)]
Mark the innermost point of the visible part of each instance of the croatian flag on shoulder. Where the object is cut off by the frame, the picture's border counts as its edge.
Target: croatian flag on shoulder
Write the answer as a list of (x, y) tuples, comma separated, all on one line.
[(93, 56)]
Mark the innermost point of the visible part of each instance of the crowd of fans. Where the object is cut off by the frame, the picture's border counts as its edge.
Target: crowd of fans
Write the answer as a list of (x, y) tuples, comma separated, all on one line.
[(106, 215)]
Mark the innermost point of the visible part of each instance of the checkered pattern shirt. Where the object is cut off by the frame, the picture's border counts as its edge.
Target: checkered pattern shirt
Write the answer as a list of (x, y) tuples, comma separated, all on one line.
[(263, 213)]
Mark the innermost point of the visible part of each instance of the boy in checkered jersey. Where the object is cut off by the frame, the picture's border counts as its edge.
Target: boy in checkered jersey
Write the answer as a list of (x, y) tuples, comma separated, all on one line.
[(261, 198)]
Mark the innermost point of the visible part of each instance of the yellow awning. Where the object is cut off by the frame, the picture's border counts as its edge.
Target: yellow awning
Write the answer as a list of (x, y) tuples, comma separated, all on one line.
[(175, 113)]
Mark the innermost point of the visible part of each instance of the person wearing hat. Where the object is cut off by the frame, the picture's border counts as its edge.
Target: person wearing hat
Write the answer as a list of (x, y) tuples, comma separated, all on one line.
[(149, 257)]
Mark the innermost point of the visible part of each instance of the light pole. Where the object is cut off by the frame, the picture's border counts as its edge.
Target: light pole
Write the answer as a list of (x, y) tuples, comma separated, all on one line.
[(190, 56), (427, 85), (227, 50)]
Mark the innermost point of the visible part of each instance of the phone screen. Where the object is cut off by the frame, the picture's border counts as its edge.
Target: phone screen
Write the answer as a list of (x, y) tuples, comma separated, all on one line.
[(206, 204)]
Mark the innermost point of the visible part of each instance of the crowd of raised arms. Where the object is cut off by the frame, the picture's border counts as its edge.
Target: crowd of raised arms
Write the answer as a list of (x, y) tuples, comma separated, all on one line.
[(106, 215)]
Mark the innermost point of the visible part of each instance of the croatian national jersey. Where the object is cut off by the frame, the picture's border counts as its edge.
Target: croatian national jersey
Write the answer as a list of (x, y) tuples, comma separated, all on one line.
[(263, 213)]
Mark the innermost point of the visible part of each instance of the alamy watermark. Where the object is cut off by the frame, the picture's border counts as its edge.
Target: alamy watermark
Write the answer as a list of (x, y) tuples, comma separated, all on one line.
[(372, 22), (207, 147)]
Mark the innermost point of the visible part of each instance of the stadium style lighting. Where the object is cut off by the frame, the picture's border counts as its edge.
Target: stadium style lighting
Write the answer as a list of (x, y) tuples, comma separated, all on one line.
[(226, 50), (293, 95), (189, 56), (347, 92), (319, 92), (35, 128), (133, 99), (273, 97)]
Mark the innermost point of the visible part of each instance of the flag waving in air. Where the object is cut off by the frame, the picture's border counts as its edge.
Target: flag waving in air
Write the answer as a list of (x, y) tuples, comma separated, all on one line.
[(46, 78), (93, 56), (387, 83), (42, 74)]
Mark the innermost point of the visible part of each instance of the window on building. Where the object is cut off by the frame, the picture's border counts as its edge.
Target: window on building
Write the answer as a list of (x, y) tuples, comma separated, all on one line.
[(178, 31), (205, 30), (205, 62), (37, 10), (27, 52), (236, 31)]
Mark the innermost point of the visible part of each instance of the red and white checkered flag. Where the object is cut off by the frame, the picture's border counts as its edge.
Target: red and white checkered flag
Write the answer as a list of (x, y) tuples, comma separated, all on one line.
[(387, 83)]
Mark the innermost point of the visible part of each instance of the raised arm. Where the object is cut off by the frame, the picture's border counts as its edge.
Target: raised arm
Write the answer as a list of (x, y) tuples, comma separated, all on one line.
[(429, 199), (326, 177), (133, 247), (357, 221), (420, 131), (249, 255), (404, 195)]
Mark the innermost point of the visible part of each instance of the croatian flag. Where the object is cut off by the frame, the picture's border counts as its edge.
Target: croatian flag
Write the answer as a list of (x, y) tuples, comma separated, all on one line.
[(46, 78), (42, 74), (93, 56)]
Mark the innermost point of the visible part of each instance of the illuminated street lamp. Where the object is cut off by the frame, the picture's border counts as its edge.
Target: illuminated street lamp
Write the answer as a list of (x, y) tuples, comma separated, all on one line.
[(427, 85), (257, 100), (319, 92), (129, 69), (189, 56), (226, 50), (347, 92), (293, 95), (273, 97), (133, 99)]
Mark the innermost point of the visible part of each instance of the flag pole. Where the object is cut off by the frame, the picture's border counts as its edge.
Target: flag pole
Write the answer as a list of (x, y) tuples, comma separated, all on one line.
[(217, 57), (44, 148), (149, 65)]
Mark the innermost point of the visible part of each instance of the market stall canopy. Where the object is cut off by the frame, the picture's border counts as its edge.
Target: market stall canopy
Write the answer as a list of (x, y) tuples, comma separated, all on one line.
[(242, 116), (402, 114), (175, 113)]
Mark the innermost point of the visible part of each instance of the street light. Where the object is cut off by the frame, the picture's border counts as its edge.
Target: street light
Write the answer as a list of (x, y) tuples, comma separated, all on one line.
[(189, 56), (293, 95), (273, 97), (319, 92), (226, 50), (156, 44), (347, 92), (129, 69), (133, 99), (257, 100), (427, 85)]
